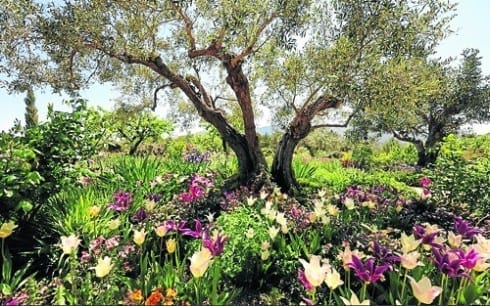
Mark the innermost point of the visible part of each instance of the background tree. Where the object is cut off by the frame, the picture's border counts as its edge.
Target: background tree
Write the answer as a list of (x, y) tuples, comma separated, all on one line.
[(134, 124), (315, 56), (31, 115), (336, 64), (428, 101)]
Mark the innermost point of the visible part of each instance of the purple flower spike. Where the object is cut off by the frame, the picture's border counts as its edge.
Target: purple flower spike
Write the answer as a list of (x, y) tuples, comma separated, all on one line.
[(368, 271), (463, 228)]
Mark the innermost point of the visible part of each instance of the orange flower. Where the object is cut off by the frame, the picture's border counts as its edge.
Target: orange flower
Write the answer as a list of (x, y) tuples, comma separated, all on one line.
[(154, 298), (135, 296)]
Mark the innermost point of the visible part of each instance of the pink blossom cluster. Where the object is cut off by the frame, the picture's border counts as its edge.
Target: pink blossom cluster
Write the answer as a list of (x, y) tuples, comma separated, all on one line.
[(197, 189)]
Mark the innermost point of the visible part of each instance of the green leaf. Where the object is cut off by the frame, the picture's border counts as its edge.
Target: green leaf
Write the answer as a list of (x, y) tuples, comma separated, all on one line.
[(471, 293), (6, 289), (25, 205)]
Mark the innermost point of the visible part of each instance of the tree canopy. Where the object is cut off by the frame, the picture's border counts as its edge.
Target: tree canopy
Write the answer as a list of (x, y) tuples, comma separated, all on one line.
[(432, 100), (299, 58)]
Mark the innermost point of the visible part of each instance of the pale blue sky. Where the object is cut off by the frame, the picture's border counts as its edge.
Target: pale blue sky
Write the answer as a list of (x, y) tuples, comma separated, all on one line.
[(471, 26)]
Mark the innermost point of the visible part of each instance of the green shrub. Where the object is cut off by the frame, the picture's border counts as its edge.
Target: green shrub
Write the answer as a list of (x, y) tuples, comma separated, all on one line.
[(458, 182), (241, 258)]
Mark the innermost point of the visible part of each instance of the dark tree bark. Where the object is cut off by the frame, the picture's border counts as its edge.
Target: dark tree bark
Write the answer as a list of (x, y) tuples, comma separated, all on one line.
[(135, 145), (282, 168)]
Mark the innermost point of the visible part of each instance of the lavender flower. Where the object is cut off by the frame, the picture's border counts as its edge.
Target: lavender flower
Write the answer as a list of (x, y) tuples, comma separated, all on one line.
[(112, 242), (194, 156), (94, 245)]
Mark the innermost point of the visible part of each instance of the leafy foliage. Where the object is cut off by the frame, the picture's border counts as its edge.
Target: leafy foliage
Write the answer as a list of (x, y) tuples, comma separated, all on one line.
[(461, 183)]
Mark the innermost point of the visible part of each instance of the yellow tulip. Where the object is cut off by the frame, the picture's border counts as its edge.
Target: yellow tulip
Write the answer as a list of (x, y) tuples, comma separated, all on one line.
[(250, 233), (150, 205), (332, 279), (171, 245), (349, 204), (264, 255), (251, 201), (423, 290), (200, 262), (482, 246), (161, 230), (94, 211), (333, 210), (314, 270), (103, 267), (273, 231), (354, 300), (454, 240), (409, 243), (69, 244), (7, 228), (113, 224), (139, 236), (410, 261), (481, 265)]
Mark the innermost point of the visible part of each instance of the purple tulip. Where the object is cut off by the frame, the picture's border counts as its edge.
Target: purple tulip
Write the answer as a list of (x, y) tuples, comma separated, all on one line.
[(368, 271), (196, 233), (383, 254), (140, 215), (216, 246), (303, 280), (122, 201), (464, 229), (171, 225), (448, 263)]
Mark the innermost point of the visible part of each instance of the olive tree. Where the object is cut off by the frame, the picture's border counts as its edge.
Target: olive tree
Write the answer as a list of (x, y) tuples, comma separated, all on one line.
[(299, 57)]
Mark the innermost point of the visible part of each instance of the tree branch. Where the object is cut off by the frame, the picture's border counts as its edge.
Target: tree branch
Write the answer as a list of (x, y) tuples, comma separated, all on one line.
[(249, 49), (155, 97), (188, 25), (402, 136), (345, 124)]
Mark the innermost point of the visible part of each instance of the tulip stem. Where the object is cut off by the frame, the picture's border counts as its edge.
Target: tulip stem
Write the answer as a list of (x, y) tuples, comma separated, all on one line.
[(404, 284), (363, 291), (3, 252), (443, 285)]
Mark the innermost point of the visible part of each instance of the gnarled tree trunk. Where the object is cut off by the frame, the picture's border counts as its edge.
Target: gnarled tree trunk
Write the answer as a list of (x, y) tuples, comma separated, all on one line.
[(282, 165)]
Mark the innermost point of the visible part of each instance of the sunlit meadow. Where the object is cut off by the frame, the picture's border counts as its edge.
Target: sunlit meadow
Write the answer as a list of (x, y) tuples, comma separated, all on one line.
[(161, 230)]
